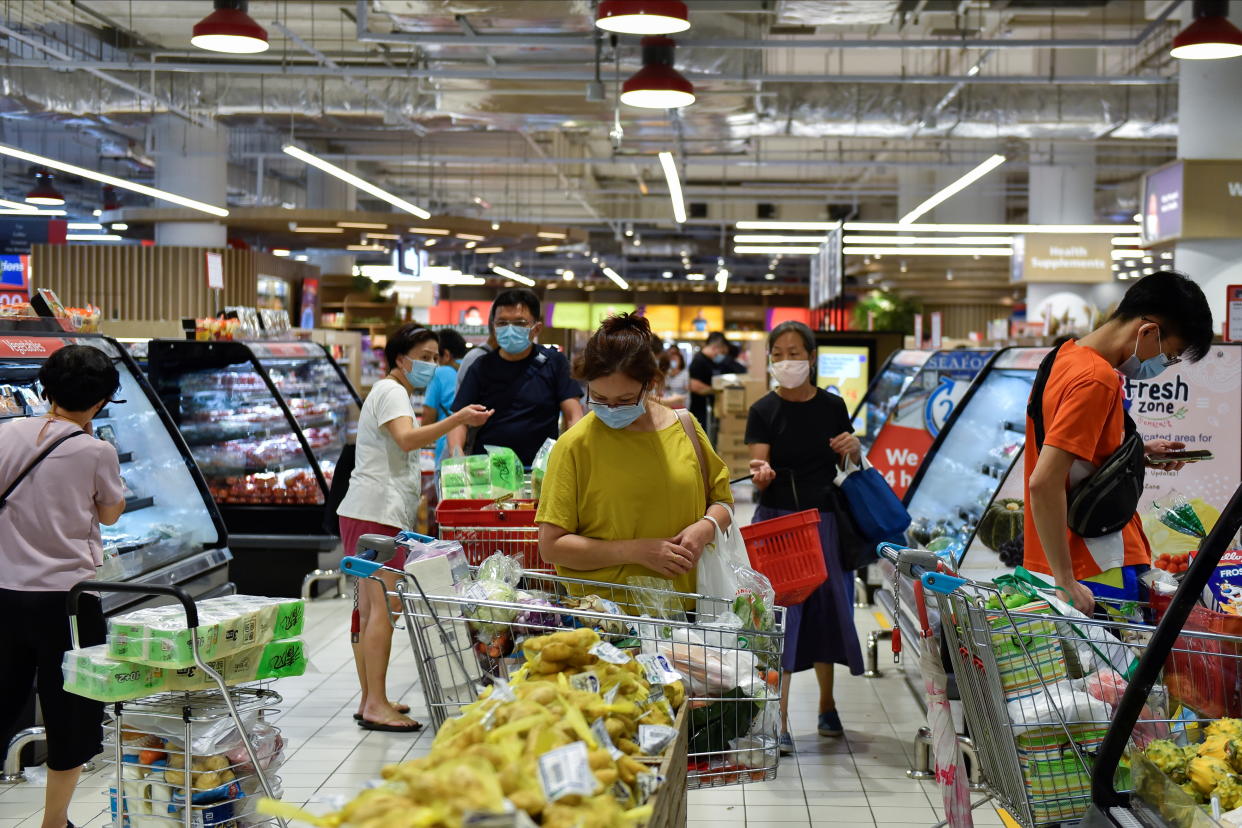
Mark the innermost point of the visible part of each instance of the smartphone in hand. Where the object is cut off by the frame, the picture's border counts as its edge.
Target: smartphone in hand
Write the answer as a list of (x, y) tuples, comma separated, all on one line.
[(1198, 456)]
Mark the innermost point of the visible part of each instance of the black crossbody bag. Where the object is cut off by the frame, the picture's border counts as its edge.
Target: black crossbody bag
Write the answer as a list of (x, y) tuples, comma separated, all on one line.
[(1106, 500), (4, 498)]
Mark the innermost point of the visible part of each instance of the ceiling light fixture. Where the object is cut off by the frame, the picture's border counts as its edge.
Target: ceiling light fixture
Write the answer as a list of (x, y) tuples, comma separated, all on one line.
[(722, 279), (376, 248), (767, 249), (280, 252), (495, 225), (787, 225), (430, 242), (362, 225), (488, 249), (509, 274), (643, 17), (547, 248), (696, 277), (953, 189), (429, 231), (470, 237), (120, 225), (354, 181), (298, 228), (1210, 36), (970, 241), (44, 191), (657, 85), (769, 276), (674, 186), (548, 234), (471, 245), (928, 251), (73, 169), (92, 237), (567, 275), (886, 226), (756, 238), (18, 206), (230, 29), (78, 225), (615, 277)]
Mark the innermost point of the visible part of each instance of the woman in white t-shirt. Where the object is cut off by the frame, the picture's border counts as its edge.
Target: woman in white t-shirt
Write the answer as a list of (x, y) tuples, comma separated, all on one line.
[(676, 390), (383, 499)]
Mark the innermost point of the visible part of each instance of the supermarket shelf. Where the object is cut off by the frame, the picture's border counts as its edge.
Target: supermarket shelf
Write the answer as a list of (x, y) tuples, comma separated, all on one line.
[(133, 504)]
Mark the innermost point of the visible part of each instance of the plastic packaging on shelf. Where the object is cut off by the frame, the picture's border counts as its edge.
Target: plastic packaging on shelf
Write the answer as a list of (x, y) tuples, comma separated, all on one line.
[(158, 635), (93, 673)]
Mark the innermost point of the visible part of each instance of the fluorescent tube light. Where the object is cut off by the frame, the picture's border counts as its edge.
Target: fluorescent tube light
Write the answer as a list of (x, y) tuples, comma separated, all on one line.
[(302, 229), (547, 248), (120, 225), (787, 225), (888, 226), (548, 234), (615, 277), (362, 225), (92, 237), (376, 248), (354, 181), (470, 237), (971, 241), (953, 189), (390, 236), (509, 274), (696, 277), (73, 169), (471, 245), (30, 213), (280, 251), (929, 251), (429, 231), (83, 225), (488, 249), (759, 238), (768, 249), (1129, 253), (674, 186), (19, 206), (722, 279)]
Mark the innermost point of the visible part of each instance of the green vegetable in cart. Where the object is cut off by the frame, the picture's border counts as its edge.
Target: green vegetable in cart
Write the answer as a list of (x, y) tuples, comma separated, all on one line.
[(1177, 513), (506, 473), (1000, 523)]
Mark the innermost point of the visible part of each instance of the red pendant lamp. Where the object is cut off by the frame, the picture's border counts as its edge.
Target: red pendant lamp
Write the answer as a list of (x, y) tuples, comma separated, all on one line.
[(44, 193), (230, 29), (657, 85), (643, 17), (1210, 36)]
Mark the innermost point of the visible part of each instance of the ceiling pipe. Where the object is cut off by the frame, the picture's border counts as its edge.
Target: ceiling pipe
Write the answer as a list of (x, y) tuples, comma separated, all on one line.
[(586, 41), (514, 72)]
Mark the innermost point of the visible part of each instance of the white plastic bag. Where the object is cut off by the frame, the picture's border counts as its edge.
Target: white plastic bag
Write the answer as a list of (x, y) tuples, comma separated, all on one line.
[(718, 565)]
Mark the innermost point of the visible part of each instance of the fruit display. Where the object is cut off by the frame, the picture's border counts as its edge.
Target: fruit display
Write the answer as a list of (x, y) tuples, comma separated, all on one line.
[(1176, 562), (569, 742), (1001, 522), (1204, 771)]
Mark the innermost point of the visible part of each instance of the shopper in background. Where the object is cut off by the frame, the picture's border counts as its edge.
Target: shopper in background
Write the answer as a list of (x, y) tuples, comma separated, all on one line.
[(705, 365), (527, 385), (1163, 319), (438, 400), (676, 390), (794, 462), (472, 356), (383, 499), (732, 363), (49, 541), (624, 492)]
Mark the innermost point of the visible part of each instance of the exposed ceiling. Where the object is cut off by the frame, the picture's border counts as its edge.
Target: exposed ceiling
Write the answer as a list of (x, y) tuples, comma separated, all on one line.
[(484, 108)]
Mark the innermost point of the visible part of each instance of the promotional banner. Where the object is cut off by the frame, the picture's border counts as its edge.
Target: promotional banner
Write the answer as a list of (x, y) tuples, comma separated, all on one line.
[(1196, 404), (602, 310), (1064, 258), (19, 234), (665, 320), (922, 411), (572, 315), (14, 279), (843, 370), (696, 320), (1162, 204)]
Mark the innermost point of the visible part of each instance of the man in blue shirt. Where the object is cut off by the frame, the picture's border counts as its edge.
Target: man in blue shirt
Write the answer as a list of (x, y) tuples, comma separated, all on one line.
[(527, 384), (438, 398)]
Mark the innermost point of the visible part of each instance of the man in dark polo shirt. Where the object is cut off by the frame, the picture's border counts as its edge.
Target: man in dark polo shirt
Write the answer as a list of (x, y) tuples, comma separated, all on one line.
[(706, 364), (527, 385)]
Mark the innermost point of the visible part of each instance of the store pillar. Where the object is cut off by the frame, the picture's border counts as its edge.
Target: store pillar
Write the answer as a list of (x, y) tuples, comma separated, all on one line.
[(1062, 191), (1209, 123), (191, 160)]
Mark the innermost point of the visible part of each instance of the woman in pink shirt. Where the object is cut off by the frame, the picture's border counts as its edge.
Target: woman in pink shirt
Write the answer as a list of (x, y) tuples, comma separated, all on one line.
[(57, 484)]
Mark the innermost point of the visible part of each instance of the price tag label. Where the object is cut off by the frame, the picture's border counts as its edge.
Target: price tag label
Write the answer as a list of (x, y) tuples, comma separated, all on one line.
[(607, 652), (587, 681), (657, 669), (653, 739), (600, 731), (566, 771), (647, 784)]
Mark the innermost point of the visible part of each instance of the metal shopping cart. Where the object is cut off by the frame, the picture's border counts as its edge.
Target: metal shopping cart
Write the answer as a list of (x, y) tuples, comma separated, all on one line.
[(1193, 663), (219, 739), (462, 642), (486, 526)]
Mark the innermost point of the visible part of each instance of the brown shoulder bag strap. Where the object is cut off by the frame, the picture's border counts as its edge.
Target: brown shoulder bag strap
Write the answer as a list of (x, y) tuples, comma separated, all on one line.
[(683, 416)]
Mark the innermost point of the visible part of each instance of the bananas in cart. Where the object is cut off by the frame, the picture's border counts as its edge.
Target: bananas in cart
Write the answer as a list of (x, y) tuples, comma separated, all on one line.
[(561, 744)]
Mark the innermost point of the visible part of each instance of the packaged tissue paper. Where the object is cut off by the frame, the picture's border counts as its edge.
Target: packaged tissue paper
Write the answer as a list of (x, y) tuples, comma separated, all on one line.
[(158, 636), (277, 659), (91, 672)]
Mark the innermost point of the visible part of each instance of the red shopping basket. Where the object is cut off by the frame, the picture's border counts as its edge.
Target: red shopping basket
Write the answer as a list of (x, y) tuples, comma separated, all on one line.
[(483, 527), (787, 550)]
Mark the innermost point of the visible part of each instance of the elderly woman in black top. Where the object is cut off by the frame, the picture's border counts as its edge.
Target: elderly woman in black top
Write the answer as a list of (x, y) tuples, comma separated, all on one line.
[(798, 435)]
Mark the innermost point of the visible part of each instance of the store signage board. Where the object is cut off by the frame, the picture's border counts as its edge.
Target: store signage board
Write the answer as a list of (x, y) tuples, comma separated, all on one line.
[(700, 320), (827, 268), (28, 347), (664, 319), (285, 350), (936, 337), (1193, 199), (19, 234), (925, 406), (14, 279), (842, 370), (1021, 359), (1233, 313), (215, 271), (1163, 196), (1196, 404), (1079, 259)]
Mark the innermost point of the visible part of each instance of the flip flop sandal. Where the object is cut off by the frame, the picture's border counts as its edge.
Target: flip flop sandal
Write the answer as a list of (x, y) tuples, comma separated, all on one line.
[(412, 727), (400, 708)]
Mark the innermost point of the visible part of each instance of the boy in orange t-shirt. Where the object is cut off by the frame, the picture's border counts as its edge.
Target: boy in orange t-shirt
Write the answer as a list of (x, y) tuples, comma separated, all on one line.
[(1163, 319)]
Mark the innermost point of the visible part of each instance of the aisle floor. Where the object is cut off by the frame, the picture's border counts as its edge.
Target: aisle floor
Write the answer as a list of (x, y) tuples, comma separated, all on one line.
[(857, 780)]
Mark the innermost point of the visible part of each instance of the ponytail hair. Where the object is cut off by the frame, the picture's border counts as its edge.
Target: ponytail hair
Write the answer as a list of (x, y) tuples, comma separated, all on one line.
[(623, 343)]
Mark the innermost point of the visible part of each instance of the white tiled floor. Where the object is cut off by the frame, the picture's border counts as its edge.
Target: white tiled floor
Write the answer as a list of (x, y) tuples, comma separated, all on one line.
[(858, 780)]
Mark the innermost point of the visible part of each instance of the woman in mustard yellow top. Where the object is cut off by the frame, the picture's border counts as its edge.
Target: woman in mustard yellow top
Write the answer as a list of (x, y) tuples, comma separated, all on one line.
[(624, 492)]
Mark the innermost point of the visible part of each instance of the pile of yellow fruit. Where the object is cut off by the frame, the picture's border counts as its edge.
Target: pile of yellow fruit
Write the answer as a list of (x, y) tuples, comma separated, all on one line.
[(556, 742), (1208, 769)]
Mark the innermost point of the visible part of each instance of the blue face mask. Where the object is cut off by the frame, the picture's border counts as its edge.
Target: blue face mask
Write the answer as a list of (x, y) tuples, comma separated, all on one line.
[(618, 416), (420, 373), (512, 339), (1145, 369), (718, 358)]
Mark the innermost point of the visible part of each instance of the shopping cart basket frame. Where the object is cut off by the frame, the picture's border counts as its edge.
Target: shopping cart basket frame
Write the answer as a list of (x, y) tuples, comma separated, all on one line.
[(1104, 795)]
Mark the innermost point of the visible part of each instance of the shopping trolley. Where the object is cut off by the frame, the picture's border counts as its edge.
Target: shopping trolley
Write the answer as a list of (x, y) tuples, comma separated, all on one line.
[(486, 526), (463, 642), (155, 740), (1192, 664)]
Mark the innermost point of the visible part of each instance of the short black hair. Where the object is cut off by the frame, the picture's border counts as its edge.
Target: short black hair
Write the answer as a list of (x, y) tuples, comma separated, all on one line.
[(405, 338), (1177, 303), (453, 342), (716, 338), (77, 377), (512, 298)]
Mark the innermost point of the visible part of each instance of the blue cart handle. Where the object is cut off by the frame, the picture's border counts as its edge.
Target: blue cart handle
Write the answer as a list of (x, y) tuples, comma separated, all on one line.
[(942, 583), (360, 567)]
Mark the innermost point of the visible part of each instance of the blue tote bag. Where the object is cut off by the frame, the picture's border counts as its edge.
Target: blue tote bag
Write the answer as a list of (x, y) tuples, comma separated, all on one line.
[(878, 513)]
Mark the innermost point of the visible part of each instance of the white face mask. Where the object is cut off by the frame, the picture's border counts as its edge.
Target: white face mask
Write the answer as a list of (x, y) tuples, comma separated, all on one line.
[(790, 373)]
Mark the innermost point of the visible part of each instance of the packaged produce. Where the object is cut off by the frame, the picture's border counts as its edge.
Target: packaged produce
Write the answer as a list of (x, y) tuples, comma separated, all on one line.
[(92, 672), (540, 467), (158, 636), (506, 473)]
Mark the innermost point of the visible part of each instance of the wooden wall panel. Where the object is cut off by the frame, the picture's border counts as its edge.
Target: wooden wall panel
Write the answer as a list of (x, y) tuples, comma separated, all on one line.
[(164, 283), (957, 321)]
